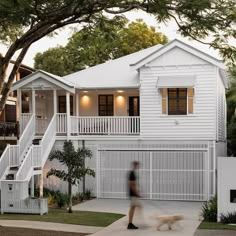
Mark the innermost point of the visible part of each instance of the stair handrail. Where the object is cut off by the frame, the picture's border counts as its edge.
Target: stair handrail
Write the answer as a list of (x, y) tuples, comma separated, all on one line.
[(4, 160), (26, 166), (26, 137), (48, 138)]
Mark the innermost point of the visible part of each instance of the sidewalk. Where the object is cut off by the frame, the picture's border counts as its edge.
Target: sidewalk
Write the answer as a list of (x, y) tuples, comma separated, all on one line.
[(50, 226)]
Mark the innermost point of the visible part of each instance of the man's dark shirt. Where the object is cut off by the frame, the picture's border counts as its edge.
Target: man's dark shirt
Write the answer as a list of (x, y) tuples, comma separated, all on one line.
[(131, 177)]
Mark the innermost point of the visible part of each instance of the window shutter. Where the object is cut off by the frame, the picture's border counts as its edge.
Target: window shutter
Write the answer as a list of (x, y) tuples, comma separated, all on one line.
[(164, 100), (190, 100)]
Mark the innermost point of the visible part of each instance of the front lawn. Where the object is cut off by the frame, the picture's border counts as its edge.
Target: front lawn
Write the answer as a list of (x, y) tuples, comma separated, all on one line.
[(88, 218), (214, 225)]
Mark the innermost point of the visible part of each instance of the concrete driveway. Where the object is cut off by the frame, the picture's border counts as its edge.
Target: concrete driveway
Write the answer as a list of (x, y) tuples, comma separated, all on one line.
[(146, 222)]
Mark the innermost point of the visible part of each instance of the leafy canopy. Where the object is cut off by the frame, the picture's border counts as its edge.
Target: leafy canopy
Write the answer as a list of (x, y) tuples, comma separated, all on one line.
[(101, 41)]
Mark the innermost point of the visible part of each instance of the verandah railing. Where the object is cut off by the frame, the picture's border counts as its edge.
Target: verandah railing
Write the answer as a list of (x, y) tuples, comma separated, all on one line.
[(24, 119), (106, 125)]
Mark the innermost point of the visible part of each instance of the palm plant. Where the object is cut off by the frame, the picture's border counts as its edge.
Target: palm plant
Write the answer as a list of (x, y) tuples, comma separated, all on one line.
[(74, 161)]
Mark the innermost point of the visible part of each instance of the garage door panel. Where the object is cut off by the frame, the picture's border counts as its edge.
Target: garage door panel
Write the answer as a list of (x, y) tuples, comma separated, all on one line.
[(163, 175)]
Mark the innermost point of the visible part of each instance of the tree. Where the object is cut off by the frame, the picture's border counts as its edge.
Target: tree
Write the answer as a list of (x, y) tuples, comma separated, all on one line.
[(74, 161), (231, 111), (23, 22), (104, 40)]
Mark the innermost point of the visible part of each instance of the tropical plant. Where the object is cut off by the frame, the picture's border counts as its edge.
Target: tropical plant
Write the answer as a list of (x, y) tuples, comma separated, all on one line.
[(229, 218), (209, 210), (74, 162)]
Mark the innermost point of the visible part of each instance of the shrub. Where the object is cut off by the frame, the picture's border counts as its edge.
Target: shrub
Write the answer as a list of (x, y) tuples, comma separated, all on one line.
[(51, 199), (229, 218), (61, 199), (209, 210), (87, 194), (81, 197)]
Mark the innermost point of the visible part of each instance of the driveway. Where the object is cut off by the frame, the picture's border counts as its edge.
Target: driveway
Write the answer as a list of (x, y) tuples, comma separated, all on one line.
[(146, 222)]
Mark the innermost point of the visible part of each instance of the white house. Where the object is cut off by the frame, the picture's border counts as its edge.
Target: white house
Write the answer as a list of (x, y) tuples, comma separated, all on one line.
[(163, 106)]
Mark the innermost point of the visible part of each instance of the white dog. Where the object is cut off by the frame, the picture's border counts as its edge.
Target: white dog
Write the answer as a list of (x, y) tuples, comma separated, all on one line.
[(168, 220)]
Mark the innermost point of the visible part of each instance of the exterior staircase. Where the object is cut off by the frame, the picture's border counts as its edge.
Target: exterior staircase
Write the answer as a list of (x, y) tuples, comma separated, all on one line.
[(19, 164)]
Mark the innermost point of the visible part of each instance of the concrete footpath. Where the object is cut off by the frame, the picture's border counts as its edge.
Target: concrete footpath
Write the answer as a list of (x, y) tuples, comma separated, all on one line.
[(146, 221), (50, 226)]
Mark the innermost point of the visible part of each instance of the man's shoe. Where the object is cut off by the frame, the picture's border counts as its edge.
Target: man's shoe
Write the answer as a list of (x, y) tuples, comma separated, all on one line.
[(131, 226)]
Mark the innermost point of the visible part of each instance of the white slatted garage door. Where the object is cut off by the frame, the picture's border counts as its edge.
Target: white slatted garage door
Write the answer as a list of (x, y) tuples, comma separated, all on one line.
[(164, 175)]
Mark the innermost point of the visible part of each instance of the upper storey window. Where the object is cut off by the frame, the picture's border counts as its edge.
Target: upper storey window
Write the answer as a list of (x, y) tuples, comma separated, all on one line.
[(177, 101)]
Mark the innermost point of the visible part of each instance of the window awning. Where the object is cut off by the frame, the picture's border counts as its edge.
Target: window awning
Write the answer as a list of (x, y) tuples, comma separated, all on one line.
[(176, 81)]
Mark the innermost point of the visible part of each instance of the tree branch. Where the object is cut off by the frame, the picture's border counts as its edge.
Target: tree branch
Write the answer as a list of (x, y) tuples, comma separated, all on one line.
[(7, 87)]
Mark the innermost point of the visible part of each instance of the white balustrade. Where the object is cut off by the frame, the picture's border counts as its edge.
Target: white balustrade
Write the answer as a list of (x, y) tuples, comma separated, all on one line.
[(48, 139), (37, 155), (13, 155), (41, 125), (4, 161), (26, 138), (105, 125), (61, 123), (26, 166), (24, 119)]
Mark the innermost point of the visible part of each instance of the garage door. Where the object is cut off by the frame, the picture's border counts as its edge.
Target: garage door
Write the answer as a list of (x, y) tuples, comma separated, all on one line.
[(163, 175)]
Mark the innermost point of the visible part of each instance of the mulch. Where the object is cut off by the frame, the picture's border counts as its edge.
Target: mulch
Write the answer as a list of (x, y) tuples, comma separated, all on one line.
[(12, 231)]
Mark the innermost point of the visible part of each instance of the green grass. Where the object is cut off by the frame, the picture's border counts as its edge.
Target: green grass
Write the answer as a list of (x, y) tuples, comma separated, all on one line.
[(88, 218), (214, 225)]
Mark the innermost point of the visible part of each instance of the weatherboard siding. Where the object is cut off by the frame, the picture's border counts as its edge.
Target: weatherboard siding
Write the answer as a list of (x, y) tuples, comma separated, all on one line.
[(201, 125), (221, 114)]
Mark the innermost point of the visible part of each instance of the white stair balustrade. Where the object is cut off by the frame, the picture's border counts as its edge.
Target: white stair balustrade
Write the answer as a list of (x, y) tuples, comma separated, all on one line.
[(48, 139), (26, 168), (120, 125), (26, 138), (8, 159), (24, 119)]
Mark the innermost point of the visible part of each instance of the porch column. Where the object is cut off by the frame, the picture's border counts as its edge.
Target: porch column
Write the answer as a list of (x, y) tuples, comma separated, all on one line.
[(32, 187), (19, 107), (68, 113), (54, 101), (77, 104), (33, 102), (41, 185)]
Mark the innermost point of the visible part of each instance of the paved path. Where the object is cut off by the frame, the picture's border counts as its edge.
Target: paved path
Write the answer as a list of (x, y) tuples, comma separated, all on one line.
[(147, 224), (50, 226)]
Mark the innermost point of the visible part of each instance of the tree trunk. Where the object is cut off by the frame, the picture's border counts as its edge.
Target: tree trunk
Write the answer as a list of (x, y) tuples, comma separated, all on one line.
[(5, 87), (70, 197)]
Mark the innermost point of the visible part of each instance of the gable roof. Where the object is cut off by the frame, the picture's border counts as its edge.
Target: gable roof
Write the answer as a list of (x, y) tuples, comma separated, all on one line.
[(123, 72), (186, 47), (54, 79)]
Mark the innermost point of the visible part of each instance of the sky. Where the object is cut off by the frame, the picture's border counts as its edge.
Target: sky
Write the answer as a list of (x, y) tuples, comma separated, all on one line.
[(62, 36)]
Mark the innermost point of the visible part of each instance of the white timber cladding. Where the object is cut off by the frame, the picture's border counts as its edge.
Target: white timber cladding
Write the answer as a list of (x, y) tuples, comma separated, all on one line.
[(199, 125), (221, 110)]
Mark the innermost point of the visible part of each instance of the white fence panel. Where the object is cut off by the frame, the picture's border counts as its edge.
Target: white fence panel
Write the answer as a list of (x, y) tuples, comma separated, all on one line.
[(163, 175)]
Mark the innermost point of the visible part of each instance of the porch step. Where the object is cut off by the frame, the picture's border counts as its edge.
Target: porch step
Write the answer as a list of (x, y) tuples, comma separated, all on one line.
[(36, 141), (14, 168), (10, 177)]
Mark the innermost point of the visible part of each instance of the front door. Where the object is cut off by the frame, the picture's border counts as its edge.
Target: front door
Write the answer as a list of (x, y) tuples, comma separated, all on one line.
[(133, 106)]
